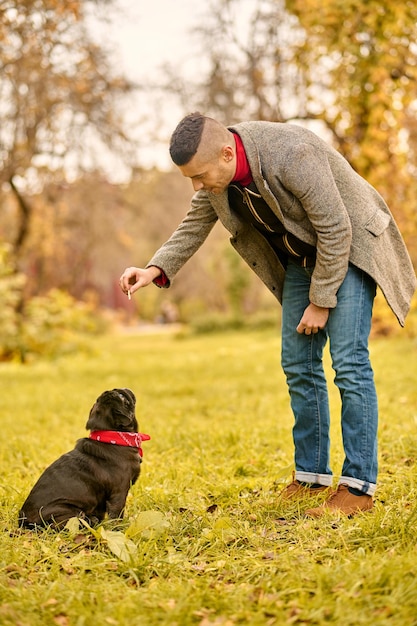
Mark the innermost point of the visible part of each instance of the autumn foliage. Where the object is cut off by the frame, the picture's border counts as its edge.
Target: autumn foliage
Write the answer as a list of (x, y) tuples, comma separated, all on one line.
[(347, 70)]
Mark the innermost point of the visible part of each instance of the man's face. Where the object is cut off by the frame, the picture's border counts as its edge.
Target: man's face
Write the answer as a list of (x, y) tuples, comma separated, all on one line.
[(213, 176)]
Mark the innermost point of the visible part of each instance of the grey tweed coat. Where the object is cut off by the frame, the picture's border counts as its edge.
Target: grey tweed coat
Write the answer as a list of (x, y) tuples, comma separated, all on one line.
[(319, 198)]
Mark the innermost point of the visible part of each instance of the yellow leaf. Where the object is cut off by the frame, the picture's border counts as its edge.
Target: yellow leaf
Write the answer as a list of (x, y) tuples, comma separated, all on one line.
[(119, 544), (148, 524)]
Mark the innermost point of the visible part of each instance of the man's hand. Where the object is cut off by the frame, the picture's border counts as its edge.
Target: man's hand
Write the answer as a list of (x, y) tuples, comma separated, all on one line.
[(314, 319), (133, 278)]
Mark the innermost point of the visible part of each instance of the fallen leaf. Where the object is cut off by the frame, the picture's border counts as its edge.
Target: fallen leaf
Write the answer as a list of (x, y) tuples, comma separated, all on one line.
[(148, 524), (119, 544), (73, 525)]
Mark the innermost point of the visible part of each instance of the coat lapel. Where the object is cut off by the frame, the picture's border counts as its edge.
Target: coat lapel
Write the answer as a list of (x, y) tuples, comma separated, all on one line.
[(228, 218)]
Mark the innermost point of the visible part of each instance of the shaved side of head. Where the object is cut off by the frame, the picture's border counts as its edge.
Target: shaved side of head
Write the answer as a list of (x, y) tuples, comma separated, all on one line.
[(213, 138), (198, 133)]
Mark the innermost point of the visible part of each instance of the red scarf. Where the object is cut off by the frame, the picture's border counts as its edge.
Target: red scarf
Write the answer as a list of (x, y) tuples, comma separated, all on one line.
[(243, 175), (119, 438)]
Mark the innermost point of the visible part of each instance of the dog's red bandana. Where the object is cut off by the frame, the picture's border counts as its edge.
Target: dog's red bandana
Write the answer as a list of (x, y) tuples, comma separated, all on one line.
[(119, 438)]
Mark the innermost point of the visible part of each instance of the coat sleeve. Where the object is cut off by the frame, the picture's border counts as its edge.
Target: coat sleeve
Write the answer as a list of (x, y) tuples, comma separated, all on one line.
[(187, 238), (308, 176)]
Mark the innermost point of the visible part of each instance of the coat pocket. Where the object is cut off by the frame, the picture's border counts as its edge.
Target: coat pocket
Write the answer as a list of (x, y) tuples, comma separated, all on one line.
[(378, 223)]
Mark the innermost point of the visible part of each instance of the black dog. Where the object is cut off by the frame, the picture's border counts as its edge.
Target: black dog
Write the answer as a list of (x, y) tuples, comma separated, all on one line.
[(95, 477)]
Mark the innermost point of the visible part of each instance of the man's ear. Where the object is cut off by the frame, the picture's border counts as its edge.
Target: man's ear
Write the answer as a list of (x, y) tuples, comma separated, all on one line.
[(228, 153)]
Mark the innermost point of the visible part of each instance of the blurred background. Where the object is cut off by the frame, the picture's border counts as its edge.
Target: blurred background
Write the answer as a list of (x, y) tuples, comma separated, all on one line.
[(90, 92)]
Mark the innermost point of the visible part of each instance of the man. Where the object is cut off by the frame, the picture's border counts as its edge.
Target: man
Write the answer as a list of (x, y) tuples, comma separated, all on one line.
[(321, 239)]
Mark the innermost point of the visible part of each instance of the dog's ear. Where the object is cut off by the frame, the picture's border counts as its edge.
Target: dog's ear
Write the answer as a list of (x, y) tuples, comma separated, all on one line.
[(128, 394), (100, 417)]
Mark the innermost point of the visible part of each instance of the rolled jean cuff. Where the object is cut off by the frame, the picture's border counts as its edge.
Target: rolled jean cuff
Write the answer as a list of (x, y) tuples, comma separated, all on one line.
[(309, 477), (362, 485)]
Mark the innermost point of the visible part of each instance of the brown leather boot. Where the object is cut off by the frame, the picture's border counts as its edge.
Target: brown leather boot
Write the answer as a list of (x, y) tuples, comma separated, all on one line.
[(344, 502), (297, 491)]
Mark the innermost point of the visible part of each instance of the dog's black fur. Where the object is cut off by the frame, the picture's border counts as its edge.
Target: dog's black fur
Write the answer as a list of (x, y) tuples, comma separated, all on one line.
[(95, 477)]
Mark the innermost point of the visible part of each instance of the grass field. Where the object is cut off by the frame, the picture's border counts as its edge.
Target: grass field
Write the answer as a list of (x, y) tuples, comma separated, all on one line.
[(205, 540)]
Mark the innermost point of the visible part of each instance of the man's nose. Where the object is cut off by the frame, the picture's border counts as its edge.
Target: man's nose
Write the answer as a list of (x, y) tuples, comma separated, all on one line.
[(197, 184)]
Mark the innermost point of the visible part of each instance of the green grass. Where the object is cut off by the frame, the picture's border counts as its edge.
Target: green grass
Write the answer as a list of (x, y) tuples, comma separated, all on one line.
[(205, 540)]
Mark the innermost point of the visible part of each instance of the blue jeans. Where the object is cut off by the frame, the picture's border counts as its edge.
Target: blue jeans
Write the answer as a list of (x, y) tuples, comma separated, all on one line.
[(348, 329)]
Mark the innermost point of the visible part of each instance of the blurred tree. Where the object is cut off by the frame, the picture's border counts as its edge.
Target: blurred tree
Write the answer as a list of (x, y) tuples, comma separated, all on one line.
[(85, 233), (76, 236), (247, 67), (59, 100), (358, 67)]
